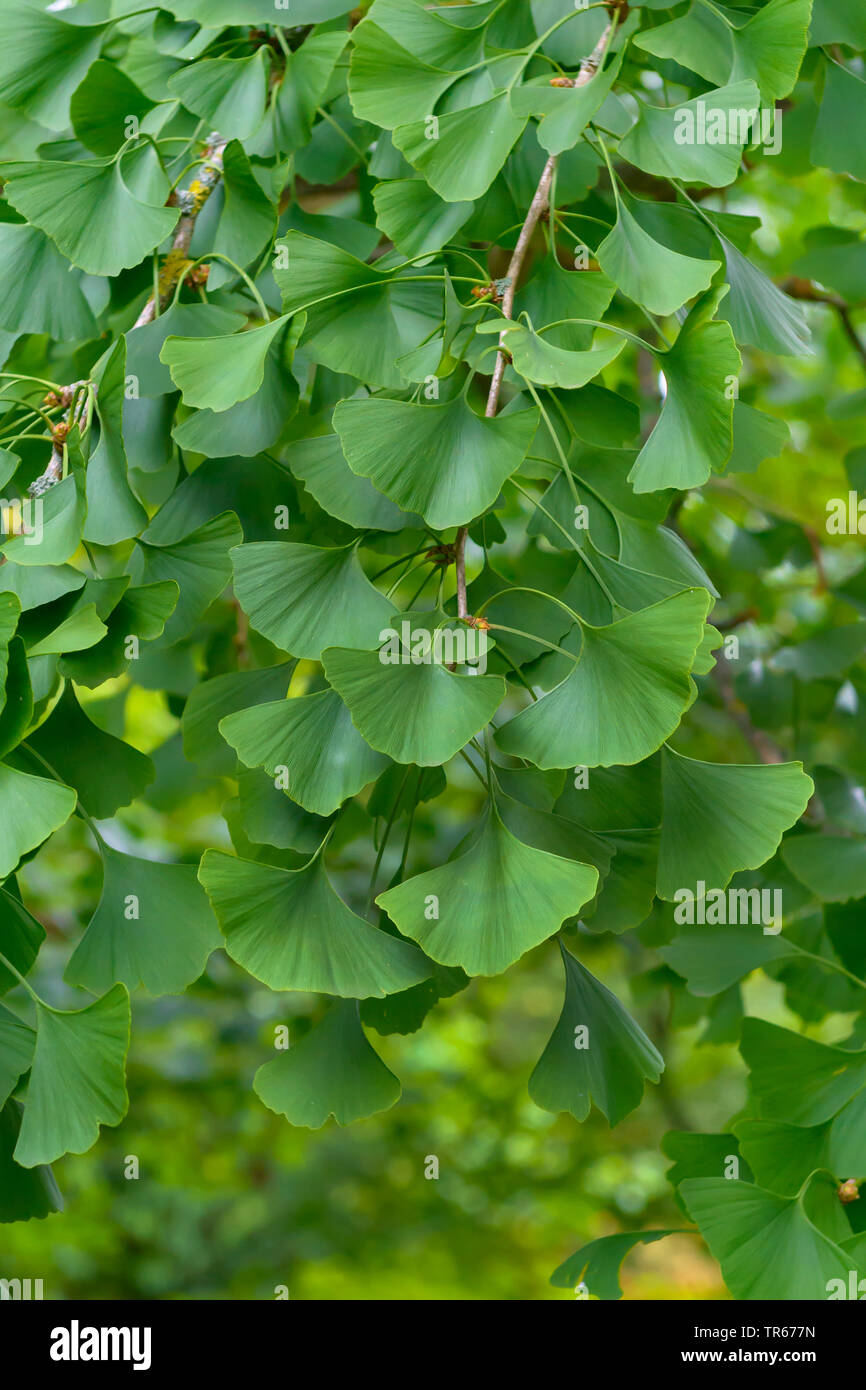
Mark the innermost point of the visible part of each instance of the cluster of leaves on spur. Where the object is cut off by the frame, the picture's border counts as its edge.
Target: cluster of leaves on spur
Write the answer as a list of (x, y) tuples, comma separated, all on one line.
[(334, 337)]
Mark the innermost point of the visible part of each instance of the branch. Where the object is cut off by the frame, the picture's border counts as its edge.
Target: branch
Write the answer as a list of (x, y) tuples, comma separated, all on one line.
[(190, 201), (537, 208), (799, 288), (761, 744)]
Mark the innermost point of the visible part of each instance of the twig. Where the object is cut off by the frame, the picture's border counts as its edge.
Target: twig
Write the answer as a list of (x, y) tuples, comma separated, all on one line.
[(190, 201), (765, 747), (539, 205), (798, 288)]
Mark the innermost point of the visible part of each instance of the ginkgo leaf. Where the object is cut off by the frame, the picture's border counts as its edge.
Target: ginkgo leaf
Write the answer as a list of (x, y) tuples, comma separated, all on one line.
[(833, 867), (625, 695), (219, 698), (305, 81), (144, 344), (332, 1070), (60, 198), (565, 111), (290, 929), (321, 465), (552, 294), (26, 1194), (783, 1155), (756, 437), (248, 218), (142, 614), (415, 218), (596, 1264), (228, 93), (597, 1054), (842, 113), (313, 741), (103, 106), (796, 1079), (17, 1041), (105, 772), (42, 61), (41, 296), (215, 373), (82, 629), (711, 959), (21, 936), (548, 365), (766, 1244), (305, 598), (468, 149), (439, 711), (723, 817), (113, 511), (768, 48), (62, 517), (648, 272), (31, 809), (77, 1081), (440, 460), (364, 332), (667, 141), (250, 426), (486, 908), (388, 85), (198, 563), (153, 928), (758, 311)]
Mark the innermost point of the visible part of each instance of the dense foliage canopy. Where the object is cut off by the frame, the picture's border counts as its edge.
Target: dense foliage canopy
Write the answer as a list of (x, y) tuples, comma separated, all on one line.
[(436, 414)]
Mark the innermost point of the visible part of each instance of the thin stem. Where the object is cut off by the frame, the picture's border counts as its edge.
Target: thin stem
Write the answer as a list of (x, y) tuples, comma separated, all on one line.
[(4, 960), (530, 636), (383, 842)]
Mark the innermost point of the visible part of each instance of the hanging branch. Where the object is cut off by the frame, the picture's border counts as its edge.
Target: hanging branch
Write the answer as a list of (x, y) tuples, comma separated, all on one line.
[(798, 288), (537, 208), (190, 201)]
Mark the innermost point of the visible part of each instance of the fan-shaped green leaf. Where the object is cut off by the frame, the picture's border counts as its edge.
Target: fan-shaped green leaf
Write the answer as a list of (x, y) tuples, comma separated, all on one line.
[(305, 598), (292, 931), (796, 1079), (60, 199), (722, 817), (466, 149), (439, 711), (333, 1070), (77, 1081), (31, 809), (228, 93), (648, 272), (415, 218), (313, 740), (41, 296), (440, 460), (596, 1053), (626, 693), (833, 867), (215, 373), (42, 61), (674, 141), (767, 1246), (495, 901)]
